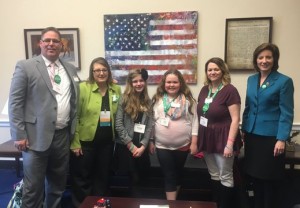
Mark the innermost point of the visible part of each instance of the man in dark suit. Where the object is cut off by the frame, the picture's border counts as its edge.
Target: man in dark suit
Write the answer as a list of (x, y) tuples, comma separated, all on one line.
[(42, 115)]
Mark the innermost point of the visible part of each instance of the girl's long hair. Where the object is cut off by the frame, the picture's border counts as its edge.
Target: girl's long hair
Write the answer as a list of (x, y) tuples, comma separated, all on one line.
[(134, 102)]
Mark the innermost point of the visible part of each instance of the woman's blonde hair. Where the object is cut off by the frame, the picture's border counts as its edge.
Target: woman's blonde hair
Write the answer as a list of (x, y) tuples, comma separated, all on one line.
[(222, 66)]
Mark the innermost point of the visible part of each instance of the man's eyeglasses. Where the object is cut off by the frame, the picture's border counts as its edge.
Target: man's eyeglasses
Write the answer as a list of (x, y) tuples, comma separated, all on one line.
[(48, 41), (98, 71)]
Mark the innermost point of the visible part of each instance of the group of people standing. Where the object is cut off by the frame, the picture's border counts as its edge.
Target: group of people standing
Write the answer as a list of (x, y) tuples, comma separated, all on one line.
[(48, 108)]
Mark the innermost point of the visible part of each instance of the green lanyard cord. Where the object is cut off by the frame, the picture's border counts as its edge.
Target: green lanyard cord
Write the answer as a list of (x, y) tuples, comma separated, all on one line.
[(167, 105), (206, 105)]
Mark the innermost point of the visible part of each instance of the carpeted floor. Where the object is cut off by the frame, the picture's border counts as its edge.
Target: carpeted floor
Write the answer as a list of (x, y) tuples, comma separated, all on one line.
[(195, 186), (8, 178)]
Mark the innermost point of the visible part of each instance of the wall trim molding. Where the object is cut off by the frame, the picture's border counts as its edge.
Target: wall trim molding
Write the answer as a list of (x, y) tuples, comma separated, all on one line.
[(296, 126), (4, 123)]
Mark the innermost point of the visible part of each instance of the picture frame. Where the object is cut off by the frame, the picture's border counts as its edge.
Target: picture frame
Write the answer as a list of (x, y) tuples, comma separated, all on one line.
[(242, 36), (70, 40)]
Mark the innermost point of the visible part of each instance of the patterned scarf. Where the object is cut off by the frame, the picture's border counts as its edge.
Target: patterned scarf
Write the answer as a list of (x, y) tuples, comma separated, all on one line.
[(177, 112)]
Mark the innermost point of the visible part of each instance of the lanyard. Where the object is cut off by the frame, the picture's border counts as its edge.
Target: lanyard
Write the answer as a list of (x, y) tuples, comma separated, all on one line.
[(206, 104), (167, 105)]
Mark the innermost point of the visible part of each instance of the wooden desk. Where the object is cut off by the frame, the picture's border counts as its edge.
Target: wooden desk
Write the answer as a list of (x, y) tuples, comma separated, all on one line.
[(7, 149), (118, 202), (293, 158)]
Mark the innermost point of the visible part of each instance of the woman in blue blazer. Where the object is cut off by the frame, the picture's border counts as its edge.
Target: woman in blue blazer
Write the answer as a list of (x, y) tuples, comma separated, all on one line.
[(267, 122)]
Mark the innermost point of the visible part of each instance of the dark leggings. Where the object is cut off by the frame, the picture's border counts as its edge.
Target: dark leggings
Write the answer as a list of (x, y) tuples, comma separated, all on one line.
[(90, 171), (172, 164)]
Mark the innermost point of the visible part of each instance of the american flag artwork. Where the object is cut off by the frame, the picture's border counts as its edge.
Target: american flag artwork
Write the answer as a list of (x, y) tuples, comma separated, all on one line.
[(154, 41)]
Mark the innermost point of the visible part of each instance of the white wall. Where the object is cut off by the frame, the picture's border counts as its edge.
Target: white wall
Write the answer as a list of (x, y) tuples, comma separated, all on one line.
[(16, 15)]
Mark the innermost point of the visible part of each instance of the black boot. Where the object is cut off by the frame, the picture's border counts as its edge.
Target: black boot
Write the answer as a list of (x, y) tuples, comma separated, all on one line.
[(216, 192), (227, 197)]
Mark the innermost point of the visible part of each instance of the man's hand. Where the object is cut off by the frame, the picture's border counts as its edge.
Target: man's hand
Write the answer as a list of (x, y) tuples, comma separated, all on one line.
[(21, 145)]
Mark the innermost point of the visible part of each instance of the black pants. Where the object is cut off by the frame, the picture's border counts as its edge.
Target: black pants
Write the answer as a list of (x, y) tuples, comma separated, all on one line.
[(137, 169), (172, 164), (268, 193), (90, 171)]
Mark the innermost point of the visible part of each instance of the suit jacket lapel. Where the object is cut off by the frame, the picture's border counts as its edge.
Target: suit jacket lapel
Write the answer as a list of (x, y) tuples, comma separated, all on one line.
[(71, 77), (255, 83), (271, 79)]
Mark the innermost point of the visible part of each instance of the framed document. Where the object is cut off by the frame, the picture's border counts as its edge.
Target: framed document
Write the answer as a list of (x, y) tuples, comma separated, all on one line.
[(242, 36)]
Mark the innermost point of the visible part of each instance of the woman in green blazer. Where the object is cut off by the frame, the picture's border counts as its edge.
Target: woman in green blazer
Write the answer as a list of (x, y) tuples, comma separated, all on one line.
[(94, 135), (267, 122)]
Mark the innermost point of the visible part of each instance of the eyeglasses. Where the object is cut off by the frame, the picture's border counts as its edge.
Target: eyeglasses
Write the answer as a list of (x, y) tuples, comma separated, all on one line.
[(48, 41), (98, 71)]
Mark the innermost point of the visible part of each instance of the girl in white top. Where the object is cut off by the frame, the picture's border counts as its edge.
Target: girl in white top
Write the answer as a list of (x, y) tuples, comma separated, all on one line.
[(175, 129)]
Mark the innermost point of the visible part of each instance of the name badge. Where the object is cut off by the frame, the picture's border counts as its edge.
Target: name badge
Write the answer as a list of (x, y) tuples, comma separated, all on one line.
[(164, 121), (208, 100), (203, 121), (139, 128), (105, 118), (175, 105)]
